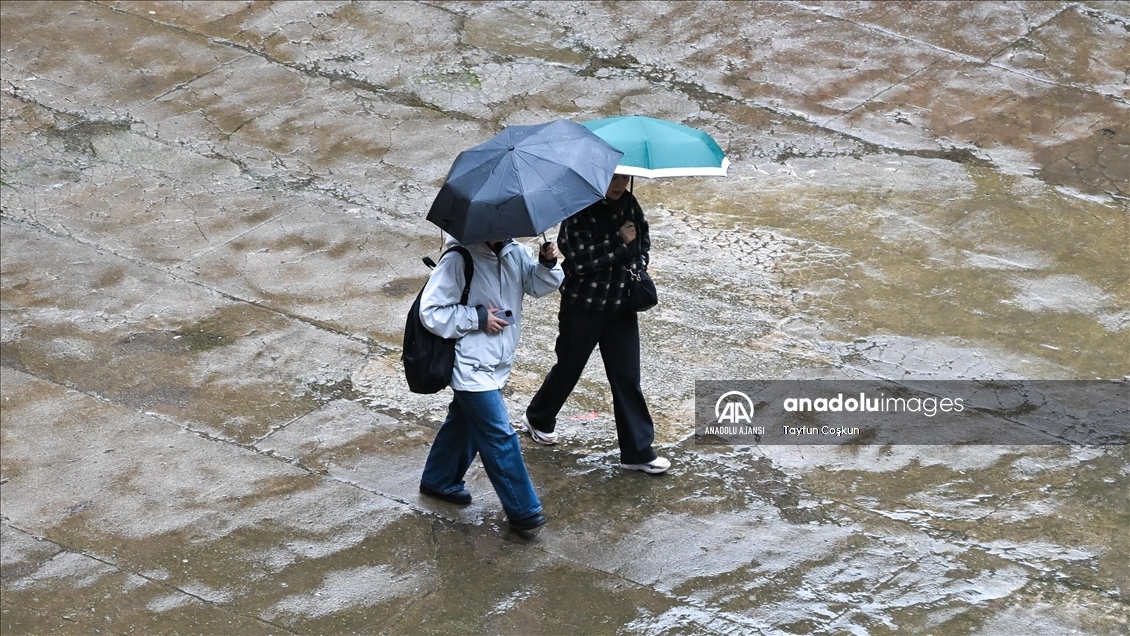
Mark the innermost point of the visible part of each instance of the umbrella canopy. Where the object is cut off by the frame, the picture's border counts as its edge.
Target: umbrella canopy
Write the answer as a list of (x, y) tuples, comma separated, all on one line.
[(523, 181), (660, 148)]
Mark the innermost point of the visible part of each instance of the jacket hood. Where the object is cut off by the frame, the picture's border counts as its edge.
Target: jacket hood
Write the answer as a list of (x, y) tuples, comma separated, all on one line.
[(481, 248)]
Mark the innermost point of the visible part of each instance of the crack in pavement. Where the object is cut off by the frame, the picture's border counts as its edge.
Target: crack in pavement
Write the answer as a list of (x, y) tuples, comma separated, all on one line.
[(65, 549)]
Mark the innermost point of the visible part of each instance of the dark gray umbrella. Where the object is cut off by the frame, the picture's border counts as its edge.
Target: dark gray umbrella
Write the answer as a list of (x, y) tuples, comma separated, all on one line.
[(523, 181)]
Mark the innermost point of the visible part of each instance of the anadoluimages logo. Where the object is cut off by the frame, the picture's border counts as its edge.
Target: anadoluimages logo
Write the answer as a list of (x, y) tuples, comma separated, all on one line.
[(881, 412), (734, 407)]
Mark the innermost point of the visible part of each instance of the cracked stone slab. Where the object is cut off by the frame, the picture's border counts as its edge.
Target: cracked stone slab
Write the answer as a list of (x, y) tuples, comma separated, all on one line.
[(1052, 52), (92, 337), (971, 29), (377, 43), (110, 597), (932, 109), (139, 65), (333, 264), (821, 69), (23, 553), (138, 197), (285, 128)]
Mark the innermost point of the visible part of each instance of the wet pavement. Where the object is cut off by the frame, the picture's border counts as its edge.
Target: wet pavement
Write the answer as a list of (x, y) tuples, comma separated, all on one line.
[(213, 218)]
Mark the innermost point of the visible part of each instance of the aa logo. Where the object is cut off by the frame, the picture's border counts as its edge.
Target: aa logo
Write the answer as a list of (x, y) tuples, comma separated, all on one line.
[(734, 407)]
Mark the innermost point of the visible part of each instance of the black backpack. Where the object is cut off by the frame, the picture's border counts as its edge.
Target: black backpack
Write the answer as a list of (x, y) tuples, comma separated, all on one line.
[(429, 359)]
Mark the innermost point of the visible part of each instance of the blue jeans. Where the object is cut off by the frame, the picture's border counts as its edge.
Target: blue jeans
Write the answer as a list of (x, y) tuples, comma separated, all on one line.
[(477, 422)]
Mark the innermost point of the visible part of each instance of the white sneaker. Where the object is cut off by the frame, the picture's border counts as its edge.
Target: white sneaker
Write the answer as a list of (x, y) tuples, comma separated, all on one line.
[(545, 439), (654, 467)]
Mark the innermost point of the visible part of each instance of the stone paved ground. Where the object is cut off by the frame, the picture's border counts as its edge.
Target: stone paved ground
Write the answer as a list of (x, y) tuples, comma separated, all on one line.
[(212, 219)]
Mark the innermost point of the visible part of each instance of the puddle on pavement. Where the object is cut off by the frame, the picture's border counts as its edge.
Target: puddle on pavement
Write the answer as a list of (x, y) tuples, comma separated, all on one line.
[(1052, 515), (176, 378), (997, 261)]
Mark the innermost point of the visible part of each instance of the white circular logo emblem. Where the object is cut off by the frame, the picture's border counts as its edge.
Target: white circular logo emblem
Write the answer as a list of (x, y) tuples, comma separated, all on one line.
[(733, 407)]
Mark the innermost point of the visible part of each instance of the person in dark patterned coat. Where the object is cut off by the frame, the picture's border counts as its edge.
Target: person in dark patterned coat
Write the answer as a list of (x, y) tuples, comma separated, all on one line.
[(601, 245)]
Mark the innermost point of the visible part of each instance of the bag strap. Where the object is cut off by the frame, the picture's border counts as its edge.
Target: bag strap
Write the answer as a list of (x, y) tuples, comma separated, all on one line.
[(638, 219), (468, 270)]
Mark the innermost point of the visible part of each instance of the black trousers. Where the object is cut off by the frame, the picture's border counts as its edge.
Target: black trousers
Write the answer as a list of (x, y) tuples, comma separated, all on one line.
[(618, 334)]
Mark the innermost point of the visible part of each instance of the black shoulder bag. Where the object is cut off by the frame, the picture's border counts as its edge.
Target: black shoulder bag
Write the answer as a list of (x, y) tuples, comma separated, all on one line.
[(641, 290)]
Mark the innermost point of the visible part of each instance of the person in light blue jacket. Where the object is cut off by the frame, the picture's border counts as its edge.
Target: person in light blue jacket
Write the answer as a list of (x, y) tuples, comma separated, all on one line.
[(488, 328)]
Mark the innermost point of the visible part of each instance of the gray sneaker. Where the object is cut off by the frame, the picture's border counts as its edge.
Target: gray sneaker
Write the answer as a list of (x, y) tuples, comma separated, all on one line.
[(654, 467), (545, 439)]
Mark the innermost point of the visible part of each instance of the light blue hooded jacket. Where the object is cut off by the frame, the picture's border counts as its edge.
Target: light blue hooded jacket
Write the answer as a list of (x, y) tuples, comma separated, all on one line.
[(483, 360)]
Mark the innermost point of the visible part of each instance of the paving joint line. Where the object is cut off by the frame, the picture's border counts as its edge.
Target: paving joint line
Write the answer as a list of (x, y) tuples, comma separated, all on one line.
[(313, 322), (964, 56), (66, 549)]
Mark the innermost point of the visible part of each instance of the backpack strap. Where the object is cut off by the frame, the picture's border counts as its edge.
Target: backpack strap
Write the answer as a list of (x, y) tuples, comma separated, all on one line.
[(468, 270)]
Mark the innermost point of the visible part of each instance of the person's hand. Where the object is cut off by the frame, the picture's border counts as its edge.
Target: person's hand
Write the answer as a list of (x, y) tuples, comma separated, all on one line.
[(495, 322), (549, 251), (628, 232)]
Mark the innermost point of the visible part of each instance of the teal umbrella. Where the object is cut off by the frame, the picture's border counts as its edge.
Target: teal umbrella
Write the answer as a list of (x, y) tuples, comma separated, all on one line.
[(660, 148)]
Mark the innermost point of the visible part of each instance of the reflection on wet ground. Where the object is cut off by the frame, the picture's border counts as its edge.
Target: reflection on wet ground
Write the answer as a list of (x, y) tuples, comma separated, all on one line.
[(212, 227), (952, 252)]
